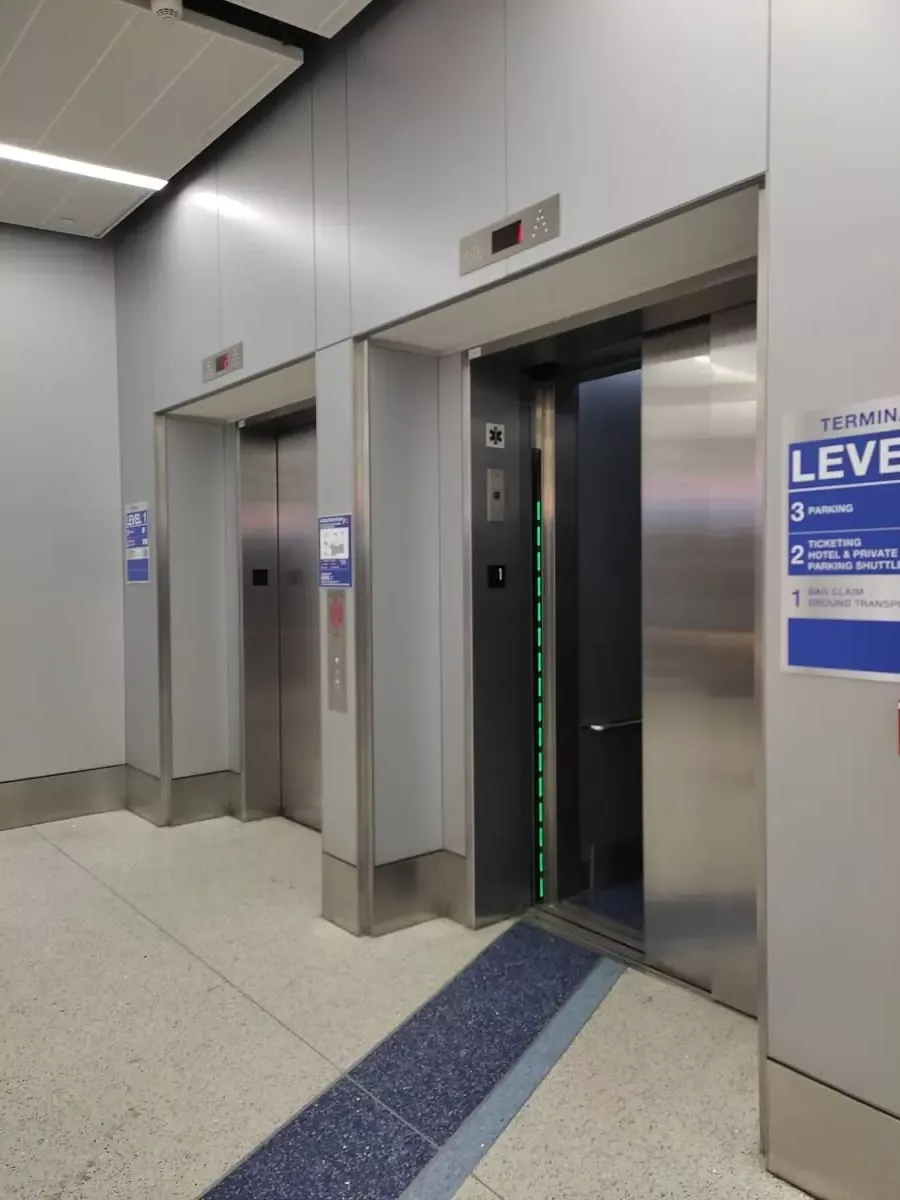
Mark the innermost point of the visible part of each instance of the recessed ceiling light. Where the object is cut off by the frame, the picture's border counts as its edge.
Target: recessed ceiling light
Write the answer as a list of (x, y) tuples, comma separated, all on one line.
[(53, 162)]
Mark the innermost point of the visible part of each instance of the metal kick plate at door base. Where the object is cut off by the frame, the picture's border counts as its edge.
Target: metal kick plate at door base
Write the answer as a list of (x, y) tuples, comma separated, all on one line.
[(336, 617)]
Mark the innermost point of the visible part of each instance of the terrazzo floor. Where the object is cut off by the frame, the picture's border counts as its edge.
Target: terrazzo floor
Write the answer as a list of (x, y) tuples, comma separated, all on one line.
[(169, 997), (656, 1099)]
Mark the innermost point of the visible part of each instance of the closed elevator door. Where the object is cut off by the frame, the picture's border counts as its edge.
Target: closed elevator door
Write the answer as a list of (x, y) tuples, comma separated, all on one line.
[(301, 766), (280, 623)]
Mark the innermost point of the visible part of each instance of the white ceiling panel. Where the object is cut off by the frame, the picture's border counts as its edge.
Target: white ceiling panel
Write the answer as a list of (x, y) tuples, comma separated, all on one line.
[(105, 81), (324, 17), (31, 196), (136, 68), (93, 204), (57, 50), (14, 17), (66, 204), (220, 77)]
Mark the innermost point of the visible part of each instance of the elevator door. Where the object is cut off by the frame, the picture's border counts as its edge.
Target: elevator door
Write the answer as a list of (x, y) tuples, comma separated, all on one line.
[(701, 721), (301, 765)]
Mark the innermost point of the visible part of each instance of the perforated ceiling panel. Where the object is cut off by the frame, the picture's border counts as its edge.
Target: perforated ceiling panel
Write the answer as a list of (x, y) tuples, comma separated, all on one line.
[(106, 82)]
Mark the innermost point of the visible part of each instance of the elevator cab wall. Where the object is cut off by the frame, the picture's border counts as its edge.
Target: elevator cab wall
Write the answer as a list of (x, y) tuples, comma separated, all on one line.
[(615, 730), (278, 527)]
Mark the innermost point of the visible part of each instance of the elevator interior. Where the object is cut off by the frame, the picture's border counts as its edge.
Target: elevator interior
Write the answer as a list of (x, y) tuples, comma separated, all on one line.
[(615, 726), (278, 529)]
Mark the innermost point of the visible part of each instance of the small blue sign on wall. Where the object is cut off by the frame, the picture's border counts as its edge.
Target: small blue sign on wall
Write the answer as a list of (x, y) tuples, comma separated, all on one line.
[(335, 552), (137, 542), (842, 545)]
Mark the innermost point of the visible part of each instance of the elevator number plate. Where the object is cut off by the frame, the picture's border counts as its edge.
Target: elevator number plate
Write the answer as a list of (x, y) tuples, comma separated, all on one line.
[(495, 437)]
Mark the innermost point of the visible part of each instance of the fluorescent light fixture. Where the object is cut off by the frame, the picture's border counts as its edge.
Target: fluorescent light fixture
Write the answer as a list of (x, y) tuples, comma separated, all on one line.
[(71, 166)]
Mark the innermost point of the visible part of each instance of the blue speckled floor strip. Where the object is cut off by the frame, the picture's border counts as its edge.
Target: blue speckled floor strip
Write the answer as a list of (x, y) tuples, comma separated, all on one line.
[(345, 1144), (455, 1162), (371, 1134)]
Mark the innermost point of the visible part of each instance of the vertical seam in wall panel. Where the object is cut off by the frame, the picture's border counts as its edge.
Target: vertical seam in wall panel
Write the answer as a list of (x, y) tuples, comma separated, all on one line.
[(506, 109), (351, 329), (315, 213)]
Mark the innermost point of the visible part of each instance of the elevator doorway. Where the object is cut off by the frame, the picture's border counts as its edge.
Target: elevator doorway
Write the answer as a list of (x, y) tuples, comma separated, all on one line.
[(280, 619), (615, 731)]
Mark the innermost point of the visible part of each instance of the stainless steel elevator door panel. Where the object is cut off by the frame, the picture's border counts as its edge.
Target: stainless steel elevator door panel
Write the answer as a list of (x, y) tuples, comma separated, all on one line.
[(678, 800), (700, 731), (261, 792), (736, 736), (301, 722)]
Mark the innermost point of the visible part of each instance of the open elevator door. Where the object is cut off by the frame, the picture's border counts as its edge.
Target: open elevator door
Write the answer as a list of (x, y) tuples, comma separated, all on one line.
[(615, 734)]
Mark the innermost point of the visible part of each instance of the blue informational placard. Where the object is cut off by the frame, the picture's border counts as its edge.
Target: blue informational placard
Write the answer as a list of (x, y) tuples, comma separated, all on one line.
[(842, 552), (137, 542), (335, 552)]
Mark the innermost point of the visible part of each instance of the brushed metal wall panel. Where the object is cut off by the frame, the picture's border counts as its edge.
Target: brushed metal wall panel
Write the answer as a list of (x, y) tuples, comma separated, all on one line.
[(61, 797), (259, 609), (827, 1143)]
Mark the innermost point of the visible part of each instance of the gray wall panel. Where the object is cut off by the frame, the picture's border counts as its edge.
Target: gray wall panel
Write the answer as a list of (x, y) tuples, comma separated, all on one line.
[(629, 110), (186, 318), (61, 679), (833, 821), (265, 202), (336, 484), (332, 201), (134, 320), (406, 604), (427, 152), (195, 460)]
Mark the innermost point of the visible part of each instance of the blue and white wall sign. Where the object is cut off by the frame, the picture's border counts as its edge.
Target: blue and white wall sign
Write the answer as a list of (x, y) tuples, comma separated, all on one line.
[(842, 552), (137, 542), (335, 552)]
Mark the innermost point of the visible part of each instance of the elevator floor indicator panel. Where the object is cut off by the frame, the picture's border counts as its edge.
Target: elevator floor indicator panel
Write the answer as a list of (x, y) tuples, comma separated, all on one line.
[(841, 589)]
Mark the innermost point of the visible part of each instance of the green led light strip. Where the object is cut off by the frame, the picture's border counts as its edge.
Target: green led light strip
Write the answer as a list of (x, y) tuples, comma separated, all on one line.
[(540, 876)]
